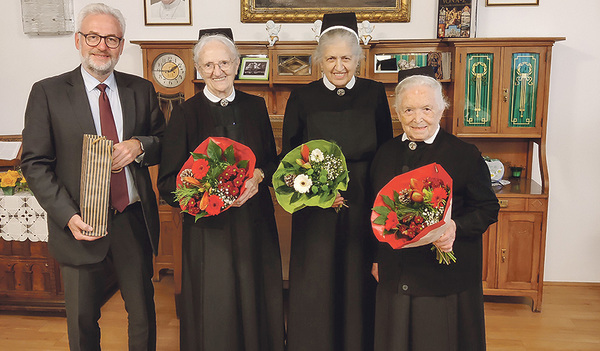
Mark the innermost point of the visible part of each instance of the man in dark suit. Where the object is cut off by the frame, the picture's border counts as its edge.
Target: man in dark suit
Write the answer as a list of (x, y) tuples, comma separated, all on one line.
[(59, 112)]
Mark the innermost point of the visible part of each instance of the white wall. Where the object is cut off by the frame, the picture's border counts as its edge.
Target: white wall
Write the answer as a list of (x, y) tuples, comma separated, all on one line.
[(573, 237)]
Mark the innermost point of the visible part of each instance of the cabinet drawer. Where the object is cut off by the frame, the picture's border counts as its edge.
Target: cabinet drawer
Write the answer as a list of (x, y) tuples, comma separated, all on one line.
[(537, 205), (512, 204)]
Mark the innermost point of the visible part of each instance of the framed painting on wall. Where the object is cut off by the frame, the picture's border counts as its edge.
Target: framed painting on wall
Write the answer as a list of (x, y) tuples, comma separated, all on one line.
[(168, 12), (307, 11), (511, 2)]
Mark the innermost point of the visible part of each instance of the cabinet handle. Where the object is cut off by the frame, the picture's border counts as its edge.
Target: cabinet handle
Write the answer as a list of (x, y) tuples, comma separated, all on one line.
[(505, 95), (503, 255), (503, 203)]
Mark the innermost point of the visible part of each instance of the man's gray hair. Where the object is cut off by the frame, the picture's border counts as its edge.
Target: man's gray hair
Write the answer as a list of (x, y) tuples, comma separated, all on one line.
[(100, 9)]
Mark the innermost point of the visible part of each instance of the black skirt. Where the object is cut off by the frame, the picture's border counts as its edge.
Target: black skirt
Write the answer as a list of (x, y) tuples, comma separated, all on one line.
[(423, 323)]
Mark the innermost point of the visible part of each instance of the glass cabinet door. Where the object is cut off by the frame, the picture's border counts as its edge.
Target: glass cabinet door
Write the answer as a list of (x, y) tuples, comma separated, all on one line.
[(524, 72), (476, 86)]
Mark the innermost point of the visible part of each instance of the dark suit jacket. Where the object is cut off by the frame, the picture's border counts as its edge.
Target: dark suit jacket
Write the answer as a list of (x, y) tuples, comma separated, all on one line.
[(57, 116)]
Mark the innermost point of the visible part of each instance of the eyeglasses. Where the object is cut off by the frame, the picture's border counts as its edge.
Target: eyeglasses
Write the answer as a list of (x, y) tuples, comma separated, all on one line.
[(94, 40), (209, 67)]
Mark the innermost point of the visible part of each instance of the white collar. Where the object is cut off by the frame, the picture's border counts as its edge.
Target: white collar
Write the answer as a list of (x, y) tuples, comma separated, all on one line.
[(427, 141), (332, 87), (91, 82), (212, 97)]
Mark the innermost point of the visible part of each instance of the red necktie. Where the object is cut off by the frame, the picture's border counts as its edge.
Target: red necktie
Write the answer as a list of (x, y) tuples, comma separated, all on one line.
[(119, 197)]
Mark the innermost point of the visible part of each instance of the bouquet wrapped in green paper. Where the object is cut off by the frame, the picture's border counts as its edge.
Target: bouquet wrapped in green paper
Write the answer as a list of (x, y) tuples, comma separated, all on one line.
[(312, 174)]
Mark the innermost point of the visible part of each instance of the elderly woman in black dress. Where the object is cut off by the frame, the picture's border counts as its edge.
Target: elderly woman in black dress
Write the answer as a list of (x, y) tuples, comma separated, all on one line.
[(421, 304), (331, 294), (231, 294)]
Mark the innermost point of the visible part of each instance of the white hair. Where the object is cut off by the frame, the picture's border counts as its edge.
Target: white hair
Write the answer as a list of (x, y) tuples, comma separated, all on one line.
[(233, 51), (336, 35), (420, 80), (100, 9)]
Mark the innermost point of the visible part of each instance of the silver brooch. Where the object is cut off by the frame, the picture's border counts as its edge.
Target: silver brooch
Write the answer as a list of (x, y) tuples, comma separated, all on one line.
[(341, 92), (412, 145), (224, 102)]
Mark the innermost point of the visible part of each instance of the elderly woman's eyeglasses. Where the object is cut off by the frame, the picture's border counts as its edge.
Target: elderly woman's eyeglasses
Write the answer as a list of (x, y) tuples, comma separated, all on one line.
[(94, 40), (209, 67)]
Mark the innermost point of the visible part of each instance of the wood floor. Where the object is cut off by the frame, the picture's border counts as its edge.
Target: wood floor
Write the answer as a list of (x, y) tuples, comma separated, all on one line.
[(570, 320)]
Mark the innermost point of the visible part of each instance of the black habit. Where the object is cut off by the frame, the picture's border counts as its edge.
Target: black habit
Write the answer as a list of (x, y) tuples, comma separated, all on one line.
[(331, 288), (421, 304), (231, 294)]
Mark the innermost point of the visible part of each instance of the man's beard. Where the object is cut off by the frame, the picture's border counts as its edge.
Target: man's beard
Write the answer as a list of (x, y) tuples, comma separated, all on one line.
[(100, 69)]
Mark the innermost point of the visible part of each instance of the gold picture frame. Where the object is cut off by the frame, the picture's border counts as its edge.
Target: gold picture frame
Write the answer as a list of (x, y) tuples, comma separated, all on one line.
[(305, 11)]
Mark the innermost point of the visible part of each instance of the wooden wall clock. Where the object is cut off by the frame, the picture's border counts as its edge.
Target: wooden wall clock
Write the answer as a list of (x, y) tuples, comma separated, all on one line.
[(169, 70), (169, 66)]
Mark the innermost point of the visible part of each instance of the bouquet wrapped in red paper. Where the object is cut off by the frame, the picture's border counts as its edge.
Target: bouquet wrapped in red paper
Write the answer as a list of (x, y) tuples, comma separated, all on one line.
[(414, 209), (214, 177)]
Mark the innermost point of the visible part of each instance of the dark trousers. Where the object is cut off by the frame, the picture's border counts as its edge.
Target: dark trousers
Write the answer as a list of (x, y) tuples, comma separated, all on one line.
[(130, 254)]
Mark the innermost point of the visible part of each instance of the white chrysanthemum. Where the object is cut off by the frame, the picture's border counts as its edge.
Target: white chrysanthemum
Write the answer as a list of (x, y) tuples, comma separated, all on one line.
[(302, 183), (317, 155)]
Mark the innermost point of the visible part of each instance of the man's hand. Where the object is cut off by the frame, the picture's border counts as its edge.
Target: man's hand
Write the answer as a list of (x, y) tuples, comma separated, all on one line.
[(77, 225), (125, 152)]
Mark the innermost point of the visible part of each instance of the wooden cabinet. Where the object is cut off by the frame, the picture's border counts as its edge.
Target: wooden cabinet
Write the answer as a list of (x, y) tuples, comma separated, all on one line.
[(501, 105), (498, 94), (501, 87), (513, 250), (29, 278)]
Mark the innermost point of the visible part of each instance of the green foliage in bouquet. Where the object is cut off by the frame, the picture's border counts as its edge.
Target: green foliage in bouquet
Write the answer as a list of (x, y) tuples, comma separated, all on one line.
[(311, 175)]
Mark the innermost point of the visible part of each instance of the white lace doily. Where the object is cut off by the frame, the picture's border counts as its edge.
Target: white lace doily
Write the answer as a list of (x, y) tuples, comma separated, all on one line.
[(22, 218)]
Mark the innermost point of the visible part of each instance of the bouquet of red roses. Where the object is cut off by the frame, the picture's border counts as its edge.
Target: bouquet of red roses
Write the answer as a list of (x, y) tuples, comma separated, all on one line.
[(213, 177), (414, 209)]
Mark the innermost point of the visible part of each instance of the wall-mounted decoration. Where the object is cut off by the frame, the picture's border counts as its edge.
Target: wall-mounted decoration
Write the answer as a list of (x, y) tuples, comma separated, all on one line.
[(457, 18), (168, 12), (47, 17), (305, 11), (511, 2)]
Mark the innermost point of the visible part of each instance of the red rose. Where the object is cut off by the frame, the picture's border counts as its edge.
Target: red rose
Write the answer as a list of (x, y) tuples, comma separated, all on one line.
[(200, 167), (214, 205)]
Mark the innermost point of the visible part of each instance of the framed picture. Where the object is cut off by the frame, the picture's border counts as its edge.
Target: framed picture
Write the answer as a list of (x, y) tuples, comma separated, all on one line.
[(511, 2), (305, 11), (254, 68), (168, 12)]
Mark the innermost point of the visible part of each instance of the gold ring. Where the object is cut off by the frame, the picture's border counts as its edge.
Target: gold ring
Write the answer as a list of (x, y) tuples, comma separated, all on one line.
[(117, 171)]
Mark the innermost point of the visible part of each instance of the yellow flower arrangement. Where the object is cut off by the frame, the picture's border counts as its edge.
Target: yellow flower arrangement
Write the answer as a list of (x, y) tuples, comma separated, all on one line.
[(11, 180)]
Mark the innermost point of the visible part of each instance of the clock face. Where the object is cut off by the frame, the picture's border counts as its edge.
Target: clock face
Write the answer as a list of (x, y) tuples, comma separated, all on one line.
[(168, 70)]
